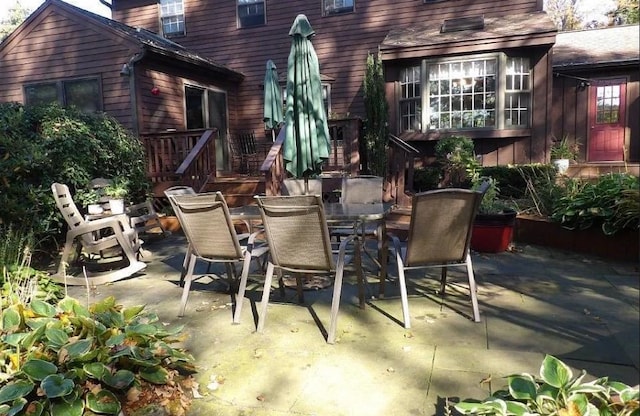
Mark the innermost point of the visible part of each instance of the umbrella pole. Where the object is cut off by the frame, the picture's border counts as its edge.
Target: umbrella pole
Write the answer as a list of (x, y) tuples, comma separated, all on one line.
[(306, 184)]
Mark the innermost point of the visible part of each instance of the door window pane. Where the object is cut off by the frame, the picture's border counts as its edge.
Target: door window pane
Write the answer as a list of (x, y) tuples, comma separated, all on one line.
[(608, 104), (195, 108)]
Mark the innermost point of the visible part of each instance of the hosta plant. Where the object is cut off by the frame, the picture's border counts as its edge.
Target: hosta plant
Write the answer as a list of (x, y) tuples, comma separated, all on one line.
[(557, 392), (71, 360)]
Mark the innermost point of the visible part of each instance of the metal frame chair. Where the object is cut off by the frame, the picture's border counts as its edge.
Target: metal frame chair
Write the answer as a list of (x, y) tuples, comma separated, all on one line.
[(212, 237), (299, 242), (439, 236), (102, 237)]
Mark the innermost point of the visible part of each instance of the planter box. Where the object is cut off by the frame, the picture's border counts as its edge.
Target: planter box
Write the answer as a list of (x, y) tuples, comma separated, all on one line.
[(623, 246)]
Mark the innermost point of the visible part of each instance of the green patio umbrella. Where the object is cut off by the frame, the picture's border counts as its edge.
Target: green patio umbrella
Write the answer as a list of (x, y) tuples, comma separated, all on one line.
[(307, 145), (272, 99)]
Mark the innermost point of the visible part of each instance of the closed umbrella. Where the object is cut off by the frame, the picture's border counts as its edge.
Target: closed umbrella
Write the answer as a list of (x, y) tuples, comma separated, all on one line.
[(272, 99), (307, 144)]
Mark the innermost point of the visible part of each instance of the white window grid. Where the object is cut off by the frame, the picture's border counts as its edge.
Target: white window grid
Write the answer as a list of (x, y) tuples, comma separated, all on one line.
[(172, 17), (410, 101), (462, 94), (517, 92), (607, 104)]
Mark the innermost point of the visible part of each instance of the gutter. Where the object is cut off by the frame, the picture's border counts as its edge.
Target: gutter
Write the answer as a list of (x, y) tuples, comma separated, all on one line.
[(109, 5)]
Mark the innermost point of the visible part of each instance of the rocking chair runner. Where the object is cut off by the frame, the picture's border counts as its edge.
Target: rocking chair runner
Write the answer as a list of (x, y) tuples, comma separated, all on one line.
[(97, 238)]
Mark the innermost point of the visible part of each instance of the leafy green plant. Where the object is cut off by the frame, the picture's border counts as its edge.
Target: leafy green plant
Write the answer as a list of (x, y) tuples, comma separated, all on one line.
[(42, 145), (556, 392), (69, 359), (611, 202), (491, 202), (117, 189), (564, 149), (86, 197), (376, 125), (457, 158)]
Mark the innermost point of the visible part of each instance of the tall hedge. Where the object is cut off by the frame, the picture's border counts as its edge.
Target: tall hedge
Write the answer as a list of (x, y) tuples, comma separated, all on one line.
[(42, 145)]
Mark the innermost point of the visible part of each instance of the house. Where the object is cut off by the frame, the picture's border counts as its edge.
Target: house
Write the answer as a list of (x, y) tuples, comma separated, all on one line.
[(478, 42), (596, 90), (148, 82), (483, 69)]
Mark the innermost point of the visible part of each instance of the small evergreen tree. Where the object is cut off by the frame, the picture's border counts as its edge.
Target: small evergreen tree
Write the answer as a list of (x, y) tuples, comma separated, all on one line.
[(376, 127)]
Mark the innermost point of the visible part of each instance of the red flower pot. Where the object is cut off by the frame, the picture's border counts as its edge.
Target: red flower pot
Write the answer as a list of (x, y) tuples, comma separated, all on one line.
[(492, 233)]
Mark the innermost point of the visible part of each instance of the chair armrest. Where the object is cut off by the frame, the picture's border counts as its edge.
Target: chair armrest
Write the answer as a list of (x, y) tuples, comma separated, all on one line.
[(115, 223)]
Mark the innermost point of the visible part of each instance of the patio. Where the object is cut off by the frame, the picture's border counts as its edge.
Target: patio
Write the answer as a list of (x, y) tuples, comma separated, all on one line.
[(533, 301)]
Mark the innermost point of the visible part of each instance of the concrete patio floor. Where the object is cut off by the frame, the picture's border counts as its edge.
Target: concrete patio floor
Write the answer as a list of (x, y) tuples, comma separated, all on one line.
[(533, 301)]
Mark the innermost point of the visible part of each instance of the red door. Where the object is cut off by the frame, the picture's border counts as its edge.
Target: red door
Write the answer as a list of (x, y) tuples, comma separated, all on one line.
[(607, 120)]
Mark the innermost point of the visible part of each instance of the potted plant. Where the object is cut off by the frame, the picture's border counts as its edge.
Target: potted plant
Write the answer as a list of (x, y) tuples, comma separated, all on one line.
[(493, 227), (116, 192), (89, 198), (562, 152)]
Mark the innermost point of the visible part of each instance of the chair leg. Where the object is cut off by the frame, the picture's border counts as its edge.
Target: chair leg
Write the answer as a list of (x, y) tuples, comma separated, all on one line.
[(443, 280), (187, 284), (403, 293), (64, 260), (337, 287), (473, 289), (185, 264), (265, 297), (242, 287)]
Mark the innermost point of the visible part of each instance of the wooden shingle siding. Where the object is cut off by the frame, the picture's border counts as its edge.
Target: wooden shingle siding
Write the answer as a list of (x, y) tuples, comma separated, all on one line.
[(342, 41), (61, 47)]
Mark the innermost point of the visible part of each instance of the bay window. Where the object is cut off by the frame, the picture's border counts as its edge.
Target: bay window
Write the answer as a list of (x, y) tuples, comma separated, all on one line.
[(483, 92)]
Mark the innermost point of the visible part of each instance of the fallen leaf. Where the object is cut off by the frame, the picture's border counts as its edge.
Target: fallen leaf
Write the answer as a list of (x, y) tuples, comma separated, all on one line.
[(260, 398), (486, 380)]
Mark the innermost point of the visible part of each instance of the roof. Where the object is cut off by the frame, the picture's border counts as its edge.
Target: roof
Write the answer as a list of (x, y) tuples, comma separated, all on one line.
[(146, 39), (496, 29), (613, 45)]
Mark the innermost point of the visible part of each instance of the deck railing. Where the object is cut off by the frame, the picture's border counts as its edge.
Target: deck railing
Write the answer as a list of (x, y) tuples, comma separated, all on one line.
[(180, 157)]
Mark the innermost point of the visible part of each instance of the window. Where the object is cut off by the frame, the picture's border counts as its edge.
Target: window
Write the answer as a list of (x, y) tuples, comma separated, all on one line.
[(326, 99), (410, 107), (608, 104), (477, 93), (172, 17), (251, 13), (517, 93), (85, 94), (337, 6)]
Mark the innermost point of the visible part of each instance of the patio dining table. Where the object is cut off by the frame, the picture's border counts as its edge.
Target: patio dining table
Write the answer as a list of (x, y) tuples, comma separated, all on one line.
[(335, 212)]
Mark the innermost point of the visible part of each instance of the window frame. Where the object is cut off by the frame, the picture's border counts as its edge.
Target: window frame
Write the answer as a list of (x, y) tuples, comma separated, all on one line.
[(174, 15), (501, 92), (335, 11), (239, 24), (62, 97)]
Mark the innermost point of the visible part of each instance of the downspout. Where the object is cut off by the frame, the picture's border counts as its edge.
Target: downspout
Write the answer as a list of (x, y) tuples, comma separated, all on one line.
[(132, 89)]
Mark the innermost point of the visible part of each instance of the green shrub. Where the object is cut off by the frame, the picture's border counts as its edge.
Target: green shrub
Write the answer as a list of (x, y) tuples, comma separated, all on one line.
[(610, 202), (456, 157), (556, 392), (42, 145), (513, 178), (426, 178), (71, 360)]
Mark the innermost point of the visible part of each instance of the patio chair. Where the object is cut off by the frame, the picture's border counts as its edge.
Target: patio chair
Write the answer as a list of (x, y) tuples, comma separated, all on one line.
[(142, 216), (106, 239), (212, 237), (175, 191), (245, 151), (439, 236), (299, 242), (292, 186), (365, 189)]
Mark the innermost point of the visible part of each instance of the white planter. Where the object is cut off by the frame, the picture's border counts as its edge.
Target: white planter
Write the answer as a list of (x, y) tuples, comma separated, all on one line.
[(116, 206), (561, 165), (94, 209)]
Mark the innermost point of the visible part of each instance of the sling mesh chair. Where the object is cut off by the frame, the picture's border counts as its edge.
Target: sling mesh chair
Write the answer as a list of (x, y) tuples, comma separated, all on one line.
[(439, 236), (207, 224), (299, 242), (175, 191), (111, 241)]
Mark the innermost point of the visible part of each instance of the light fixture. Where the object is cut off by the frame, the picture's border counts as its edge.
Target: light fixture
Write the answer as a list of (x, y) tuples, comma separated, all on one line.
[(125, 71)]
